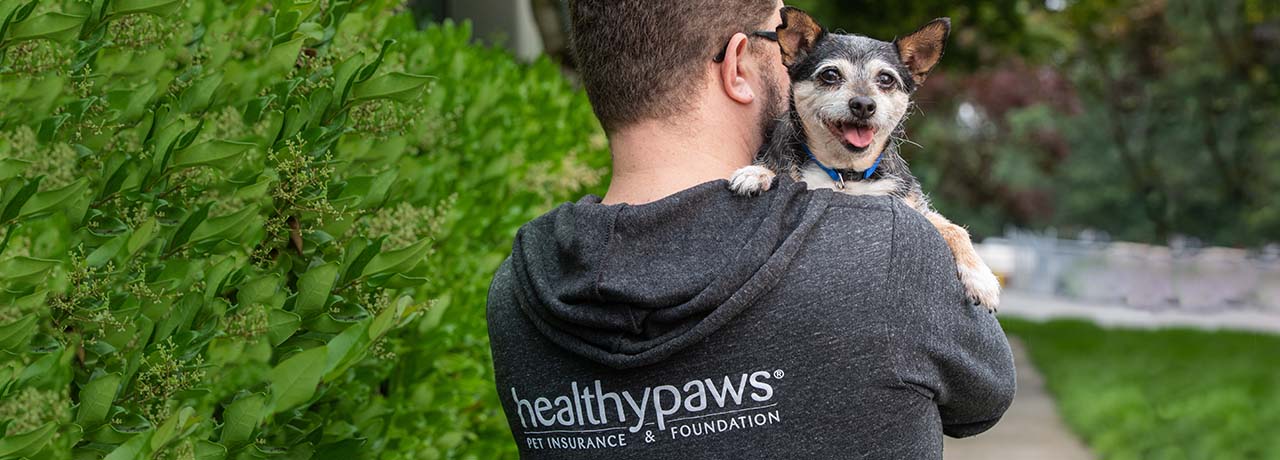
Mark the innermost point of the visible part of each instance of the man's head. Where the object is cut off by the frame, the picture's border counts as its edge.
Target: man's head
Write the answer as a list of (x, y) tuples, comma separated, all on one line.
[(655, 60)]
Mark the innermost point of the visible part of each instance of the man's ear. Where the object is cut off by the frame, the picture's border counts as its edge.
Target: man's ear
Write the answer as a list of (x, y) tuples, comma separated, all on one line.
[(797, 35), (923, 48)]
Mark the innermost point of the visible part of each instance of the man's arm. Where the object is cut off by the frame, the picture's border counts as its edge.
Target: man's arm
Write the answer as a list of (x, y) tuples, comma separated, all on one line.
[(947, 349)]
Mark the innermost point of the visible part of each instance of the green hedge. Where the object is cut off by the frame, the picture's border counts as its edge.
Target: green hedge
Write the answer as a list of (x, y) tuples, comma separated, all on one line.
[(262, 229)]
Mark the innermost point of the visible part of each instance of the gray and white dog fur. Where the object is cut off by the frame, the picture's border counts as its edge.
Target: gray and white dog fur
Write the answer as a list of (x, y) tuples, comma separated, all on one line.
[(848, 90)]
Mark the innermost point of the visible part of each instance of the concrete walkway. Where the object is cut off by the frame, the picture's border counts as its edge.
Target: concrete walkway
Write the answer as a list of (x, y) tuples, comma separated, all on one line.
[(1031, 429)]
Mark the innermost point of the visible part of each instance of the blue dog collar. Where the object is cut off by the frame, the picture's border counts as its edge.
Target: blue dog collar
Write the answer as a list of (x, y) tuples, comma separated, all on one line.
[(835, 175)]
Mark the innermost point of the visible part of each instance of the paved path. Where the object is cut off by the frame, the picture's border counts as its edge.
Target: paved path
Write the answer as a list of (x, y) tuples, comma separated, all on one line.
[(1030, 430)]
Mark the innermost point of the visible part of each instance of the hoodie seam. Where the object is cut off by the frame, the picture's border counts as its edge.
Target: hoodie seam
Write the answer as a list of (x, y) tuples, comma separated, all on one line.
[(603, 263), (895, 342)]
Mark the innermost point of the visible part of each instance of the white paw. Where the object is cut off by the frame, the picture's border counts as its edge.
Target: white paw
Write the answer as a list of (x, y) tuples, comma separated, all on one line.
[(981, 285), (751, 180)]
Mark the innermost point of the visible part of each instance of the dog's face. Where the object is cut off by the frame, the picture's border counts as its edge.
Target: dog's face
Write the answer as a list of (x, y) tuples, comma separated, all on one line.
[(851, 93)]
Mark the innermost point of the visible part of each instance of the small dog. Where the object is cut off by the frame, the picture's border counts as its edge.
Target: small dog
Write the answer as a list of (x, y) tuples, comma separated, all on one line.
[(850, 97)]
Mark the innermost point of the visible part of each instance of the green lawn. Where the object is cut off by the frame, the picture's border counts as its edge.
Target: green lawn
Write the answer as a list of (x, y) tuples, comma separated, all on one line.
[(1168, 394)]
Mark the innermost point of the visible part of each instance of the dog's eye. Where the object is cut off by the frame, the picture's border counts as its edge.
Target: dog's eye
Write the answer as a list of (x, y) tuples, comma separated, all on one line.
[(886, 81), (830, 76)]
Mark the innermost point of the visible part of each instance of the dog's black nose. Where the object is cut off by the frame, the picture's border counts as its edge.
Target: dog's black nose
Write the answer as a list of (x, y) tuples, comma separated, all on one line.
[(863, 107)]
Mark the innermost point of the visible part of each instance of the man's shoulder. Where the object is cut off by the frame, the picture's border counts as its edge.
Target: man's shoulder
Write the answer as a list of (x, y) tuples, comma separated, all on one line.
[(893, 221), (881, 244)]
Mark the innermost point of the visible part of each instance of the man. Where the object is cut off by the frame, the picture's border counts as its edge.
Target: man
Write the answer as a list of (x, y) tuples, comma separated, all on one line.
[(673, 319)]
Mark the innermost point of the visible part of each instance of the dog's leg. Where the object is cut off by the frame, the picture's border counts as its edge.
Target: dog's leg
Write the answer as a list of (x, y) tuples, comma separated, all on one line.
[(751, 180), (980, 284)]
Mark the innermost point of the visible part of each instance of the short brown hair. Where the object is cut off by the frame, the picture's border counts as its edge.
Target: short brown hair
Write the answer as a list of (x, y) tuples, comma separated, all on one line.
[(643, 59)]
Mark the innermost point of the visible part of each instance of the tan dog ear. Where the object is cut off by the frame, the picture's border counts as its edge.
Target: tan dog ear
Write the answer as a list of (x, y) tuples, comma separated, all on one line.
[(923, 48), (797, 35)]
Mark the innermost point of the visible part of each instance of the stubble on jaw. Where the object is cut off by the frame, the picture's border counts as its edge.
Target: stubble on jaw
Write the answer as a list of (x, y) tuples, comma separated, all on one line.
[(774, 106)]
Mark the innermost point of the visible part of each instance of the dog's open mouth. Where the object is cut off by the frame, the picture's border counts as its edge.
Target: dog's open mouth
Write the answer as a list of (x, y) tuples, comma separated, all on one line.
[(856, 134)]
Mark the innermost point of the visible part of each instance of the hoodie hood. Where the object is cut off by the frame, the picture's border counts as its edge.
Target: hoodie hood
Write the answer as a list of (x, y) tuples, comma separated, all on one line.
[(629, 286)]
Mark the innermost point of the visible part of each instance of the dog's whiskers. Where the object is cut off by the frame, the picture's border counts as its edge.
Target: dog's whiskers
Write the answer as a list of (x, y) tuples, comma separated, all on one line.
[(903, 140)]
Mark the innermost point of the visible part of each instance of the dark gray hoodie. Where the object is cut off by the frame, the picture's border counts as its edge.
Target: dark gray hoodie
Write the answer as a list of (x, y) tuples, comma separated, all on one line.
[(797, 324)]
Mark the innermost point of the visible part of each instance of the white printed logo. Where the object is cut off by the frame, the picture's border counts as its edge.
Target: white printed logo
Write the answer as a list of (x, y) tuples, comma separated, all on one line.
[(589, 417)]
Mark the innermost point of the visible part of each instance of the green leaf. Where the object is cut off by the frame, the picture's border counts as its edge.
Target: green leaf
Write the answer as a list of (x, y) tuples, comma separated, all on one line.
[(206, 450), (294, 120), (178, 317), (33, 300), (282, 57), (69, 434), (96, 398), (188, 137), (133, 449), (397, 86), (259, 290), (254, 109), (116, 179), (378, 190), (51, 200), (398, 260), (358, 255), (27, 444), (391, 317), (294, 380), (241, 418), (366, 192), (281, 325), (311, 30), (53, 26), (13, 167), (14, 13), (368, 71), (25, 269), (313, 289), (141, 236), (24, 12), (49, 369), (344, 77), (217, 275), (188, 227), (220, 154), (225, 227), (175, 427), (200, 94), (156, 7), (284, 23), (108, 251), (346, 349), (401, 281), (15, 336), (19, 199)]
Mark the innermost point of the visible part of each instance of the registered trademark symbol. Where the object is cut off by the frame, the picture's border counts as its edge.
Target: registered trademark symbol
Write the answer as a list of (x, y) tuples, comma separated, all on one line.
[(778, 374)]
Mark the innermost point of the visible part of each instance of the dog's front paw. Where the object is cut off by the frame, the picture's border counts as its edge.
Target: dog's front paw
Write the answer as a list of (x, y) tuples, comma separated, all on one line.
[(751, 180), (981, 285)]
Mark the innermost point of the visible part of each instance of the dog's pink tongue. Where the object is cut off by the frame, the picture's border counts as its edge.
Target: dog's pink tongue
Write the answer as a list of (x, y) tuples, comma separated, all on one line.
[(860, 137)]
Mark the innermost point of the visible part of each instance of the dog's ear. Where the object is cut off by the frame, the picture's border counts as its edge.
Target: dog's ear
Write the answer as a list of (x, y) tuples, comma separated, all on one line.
[(923, 48), (797, 35)]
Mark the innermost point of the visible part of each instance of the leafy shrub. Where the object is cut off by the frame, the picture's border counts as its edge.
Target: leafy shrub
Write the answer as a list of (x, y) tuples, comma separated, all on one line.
[(262, 229)]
